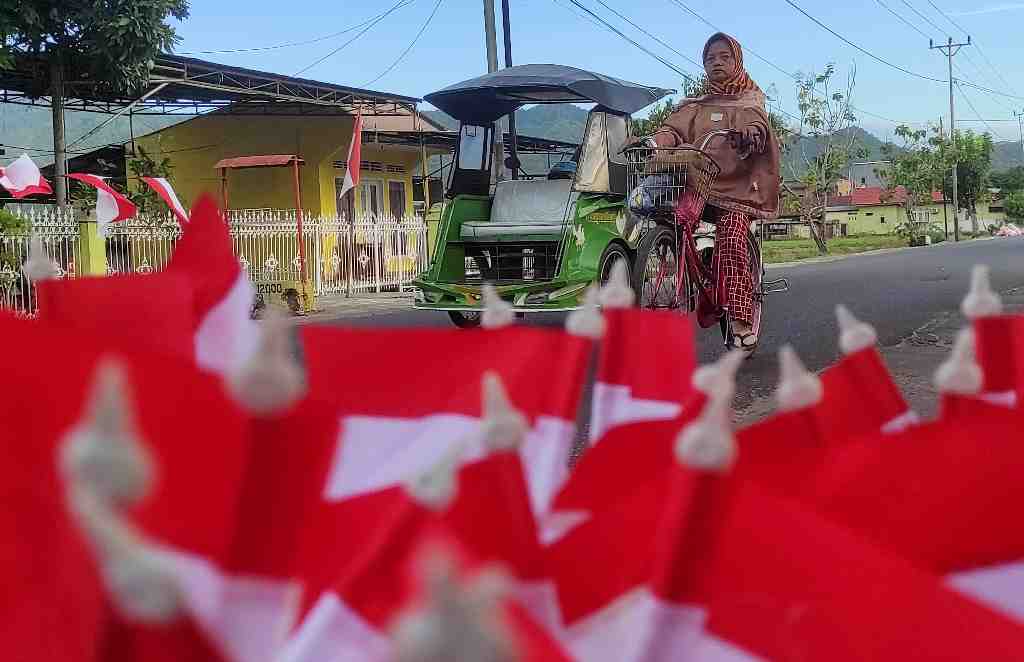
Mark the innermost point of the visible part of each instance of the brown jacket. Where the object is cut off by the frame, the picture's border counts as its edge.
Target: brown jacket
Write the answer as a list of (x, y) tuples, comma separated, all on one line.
[(750, 186)]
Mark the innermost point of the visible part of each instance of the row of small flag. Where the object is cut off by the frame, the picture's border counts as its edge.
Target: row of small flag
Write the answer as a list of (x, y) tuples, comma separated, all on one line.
[(178, 486), (22, 179)]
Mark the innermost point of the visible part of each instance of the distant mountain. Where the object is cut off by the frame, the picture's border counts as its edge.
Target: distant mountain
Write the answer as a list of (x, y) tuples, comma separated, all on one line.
[(808, 148), (27, 128), (1007, 155)]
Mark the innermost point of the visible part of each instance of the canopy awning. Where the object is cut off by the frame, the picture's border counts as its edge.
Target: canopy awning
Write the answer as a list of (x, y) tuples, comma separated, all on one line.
[(484, 99), (264, 161)]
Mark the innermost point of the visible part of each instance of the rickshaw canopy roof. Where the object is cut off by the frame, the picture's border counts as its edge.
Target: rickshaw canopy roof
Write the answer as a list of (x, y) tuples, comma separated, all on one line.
[(262, 161), (484, 99)]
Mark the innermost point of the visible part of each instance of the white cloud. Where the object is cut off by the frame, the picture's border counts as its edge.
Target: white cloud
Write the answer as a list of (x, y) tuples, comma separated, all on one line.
[(994, 9)]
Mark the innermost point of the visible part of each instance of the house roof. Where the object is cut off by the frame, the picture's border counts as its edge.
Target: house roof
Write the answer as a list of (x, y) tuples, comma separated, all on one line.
[(873, 196), (182, 83)]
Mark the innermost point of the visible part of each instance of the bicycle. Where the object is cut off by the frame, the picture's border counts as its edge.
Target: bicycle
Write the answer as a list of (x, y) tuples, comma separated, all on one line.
[(669, 187)]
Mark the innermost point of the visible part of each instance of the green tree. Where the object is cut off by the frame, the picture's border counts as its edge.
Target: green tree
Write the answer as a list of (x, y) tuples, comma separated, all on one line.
[(973, 153), (826, 123), (919, 166), (111, 43), (144, 165), (1015, 205), (1009, 180)]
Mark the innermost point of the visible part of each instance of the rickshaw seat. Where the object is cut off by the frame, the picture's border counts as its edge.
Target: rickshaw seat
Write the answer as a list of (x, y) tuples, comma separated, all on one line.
[(524, 208)]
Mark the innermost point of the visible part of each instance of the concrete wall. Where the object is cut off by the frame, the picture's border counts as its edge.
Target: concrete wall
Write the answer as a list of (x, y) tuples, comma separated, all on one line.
[(881, 219)]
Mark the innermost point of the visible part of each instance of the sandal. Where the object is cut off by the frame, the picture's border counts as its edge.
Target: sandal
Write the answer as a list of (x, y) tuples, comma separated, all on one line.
[(745, 341)]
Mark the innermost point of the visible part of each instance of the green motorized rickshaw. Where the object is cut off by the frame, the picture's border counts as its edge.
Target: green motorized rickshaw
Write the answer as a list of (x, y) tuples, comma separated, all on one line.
[(540, 241)]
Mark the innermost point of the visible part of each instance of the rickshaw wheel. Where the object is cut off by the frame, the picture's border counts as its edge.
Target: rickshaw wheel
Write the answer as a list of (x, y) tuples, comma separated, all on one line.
[(615, 252), (467, 320)]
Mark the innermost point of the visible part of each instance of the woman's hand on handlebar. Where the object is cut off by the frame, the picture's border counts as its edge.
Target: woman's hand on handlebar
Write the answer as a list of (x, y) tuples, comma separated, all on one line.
[(748, 139)]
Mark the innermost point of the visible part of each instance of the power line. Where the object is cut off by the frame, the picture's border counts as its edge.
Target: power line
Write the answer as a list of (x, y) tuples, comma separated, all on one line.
[(290, 44), (636, 44), (423, 28), (861, 48), (775, 66), (375, 21), (637, 27), (924, 18), (981, 52), (975, 110), (901, 18), (892, 65)]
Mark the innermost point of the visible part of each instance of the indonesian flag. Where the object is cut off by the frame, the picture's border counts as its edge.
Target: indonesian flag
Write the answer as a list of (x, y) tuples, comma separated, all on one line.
[(1000, 350), (940, 495), (354, 156), (111, 206), (224, 336), (22, 178), (163, 188), (403, 408), (708, 567), (354, 592), (860, 397), (124, 312), (644, 371)]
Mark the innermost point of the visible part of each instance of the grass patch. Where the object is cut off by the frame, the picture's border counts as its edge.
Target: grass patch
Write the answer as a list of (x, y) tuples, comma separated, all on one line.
[(792, 250)]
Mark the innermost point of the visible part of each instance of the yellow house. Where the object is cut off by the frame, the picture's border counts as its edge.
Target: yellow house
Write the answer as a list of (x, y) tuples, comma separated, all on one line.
[(194, 146), (872, 210)]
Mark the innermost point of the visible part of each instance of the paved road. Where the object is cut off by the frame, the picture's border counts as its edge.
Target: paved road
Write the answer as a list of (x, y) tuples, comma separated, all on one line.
[(898, 292)]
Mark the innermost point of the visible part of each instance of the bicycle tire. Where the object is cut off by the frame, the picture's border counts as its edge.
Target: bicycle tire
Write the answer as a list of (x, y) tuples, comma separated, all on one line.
[(661, 244)]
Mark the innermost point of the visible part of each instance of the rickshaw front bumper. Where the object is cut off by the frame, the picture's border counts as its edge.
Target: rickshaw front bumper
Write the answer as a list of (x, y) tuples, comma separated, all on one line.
[(549, 296)]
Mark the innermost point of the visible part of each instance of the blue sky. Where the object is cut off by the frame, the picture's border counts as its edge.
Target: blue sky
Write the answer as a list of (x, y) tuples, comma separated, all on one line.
[(452, 47)]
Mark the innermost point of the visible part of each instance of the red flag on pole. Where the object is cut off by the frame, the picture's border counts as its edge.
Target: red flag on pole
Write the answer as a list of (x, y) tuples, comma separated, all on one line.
[(163, 188), (111, 205), (22, 178), (354, 156)]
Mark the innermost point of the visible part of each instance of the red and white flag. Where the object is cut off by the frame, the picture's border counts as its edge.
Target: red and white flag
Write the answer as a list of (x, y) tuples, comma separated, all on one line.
[(163, 188), (999, 342), (353, 593), (111, 205), (352, 165), (224, 336), (710, 568), (403, 408), (644, 371), (22, 178)]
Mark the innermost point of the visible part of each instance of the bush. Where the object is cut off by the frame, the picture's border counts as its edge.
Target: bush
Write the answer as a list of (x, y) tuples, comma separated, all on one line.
[(10, 223)]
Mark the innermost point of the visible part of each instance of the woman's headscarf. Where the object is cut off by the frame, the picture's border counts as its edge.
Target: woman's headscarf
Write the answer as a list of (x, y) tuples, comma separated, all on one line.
[(740, 81)]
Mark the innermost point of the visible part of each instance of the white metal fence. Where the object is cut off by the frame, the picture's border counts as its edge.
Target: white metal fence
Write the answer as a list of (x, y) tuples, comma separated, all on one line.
[(370, 255), (58, 233)]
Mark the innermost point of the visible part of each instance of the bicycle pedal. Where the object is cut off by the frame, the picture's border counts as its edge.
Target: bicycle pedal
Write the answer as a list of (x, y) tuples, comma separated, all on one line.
[(776, 286)]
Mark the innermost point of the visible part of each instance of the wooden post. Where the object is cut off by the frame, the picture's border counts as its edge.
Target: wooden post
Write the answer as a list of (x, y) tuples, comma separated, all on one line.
[(224, 190)]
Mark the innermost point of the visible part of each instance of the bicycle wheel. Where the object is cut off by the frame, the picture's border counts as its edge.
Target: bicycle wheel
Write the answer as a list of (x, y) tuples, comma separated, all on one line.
[(757, 281), (658, 265)]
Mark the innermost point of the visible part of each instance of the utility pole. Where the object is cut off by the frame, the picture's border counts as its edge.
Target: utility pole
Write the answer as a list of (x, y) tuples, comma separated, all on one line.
[(60, 157), (945, 218), (507, 35), (497, 171), (1020, 128), (949, 49)]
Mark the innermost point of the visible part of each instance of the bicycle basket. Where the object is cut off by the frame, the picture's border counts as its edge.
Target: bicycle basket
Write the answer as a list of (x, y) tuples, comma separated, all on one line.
[(663, 179)]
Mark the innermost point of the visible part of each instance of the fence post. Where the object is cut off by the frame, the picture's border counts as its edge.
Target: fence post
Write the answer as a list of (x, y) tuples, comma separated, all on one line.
[(92, 247), (350, 261)]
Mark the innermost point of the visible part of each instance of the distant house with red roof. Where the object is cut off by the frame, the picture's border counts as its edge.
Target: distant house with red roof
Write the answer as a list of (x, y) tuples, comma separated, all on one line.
[(875, 210)]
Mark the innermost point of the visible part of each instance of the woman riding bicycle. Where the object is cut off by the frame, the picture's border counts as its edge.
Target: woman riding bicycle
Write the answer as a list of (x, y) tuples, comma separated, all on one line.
[(747, 187)]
